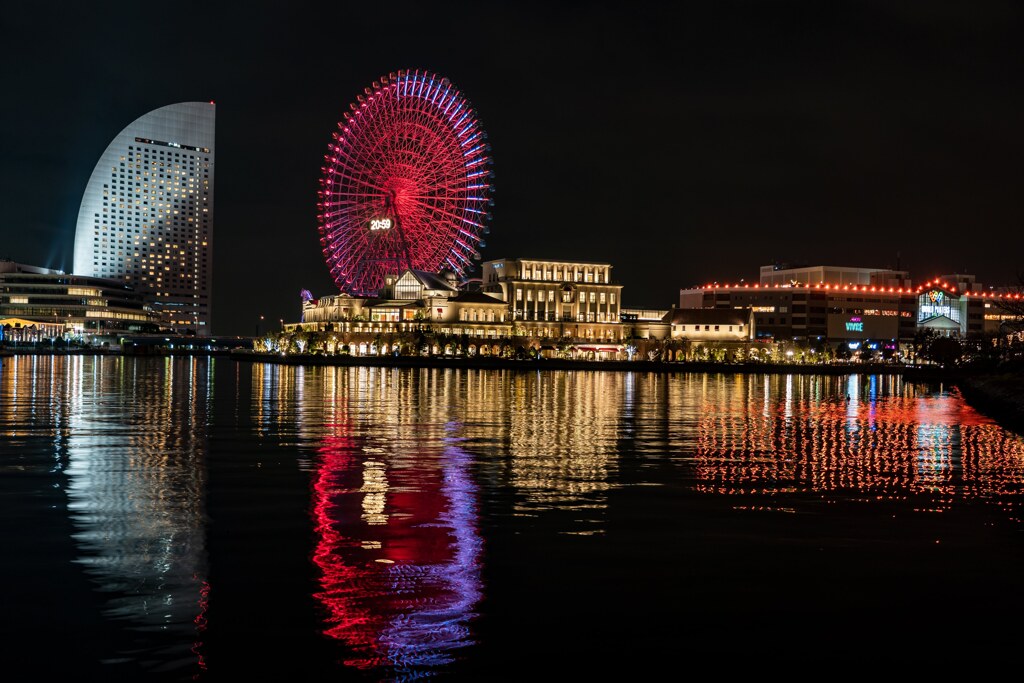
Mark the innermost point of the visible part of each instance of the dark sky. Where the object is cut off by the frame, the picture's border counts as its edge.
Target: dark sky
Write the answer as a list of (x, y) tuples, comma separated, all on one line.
[(680, 145)]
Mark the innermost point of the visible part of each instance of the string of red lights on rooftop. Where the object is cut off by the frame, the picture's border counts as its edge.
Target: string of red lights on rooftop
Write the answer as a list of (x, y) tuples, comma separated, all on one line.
[(868, 288)]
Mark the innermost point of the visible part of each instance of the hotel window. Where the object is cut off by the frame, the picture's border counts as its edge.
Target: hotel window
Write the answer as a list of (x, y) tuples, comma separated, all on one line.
[(529, 295), (519, 294), (602, 297), (612, 295), (551, 295), (707, 328), (716, 328), (593, 297)]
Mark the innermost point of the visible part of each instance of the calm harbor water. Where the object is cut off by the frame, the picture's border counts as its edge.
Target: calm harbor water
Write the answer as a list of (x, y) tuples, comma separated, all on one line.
[(191, 519)]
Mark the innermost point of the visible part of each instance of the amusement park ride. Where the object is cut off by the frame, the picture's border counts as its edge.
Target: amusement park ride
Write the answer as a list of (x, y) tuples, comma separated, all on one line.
[(405, 184)]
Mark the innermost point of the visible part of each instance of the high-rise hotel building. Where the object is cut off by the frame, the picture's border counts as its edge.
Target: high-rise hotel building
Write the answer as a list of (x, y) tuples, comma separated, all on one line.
[(147, 214)]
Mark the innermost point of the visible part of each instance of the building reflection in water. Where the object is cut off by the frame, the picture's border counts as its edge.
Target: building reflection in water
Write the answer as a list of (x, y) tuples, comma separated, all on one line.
[(136, 446), (877, 436), (396, 457), (395, 513), (395, 501), (559, 435)]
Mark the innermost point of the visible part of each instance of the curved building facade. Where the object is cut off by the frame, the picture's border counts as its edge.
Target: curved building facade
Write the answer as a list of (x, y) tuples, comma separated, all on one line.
[(146, 217)]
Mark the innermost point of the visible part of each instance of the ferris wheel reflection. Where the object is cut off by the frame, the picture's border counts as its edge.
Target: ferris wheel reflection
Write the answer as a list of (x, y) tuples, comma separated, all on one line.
[(399, 550)]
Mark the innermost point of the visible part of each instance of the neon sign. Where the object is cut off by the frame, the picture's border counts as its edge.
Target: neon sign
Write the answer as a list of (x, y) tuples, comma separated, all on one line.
[(855, 325), (377, 224), (936, 296)]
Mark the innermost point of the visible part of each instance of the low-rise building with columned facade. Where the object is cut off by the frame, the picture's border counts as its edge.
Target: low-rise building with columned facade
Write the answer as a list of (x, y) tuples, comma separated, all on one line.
[(76, 304), (558, 300)]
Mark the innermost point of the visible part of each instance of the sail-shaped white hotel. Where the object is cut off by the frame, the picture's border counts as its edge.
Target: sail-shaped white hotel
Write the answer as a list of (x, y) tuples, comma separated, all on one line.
[(147, 214)]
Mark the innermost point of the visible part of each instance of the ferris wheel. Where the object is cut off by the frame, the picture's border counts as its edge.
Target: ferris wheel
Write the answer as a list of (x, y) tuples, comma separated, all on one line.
[(406, 183)]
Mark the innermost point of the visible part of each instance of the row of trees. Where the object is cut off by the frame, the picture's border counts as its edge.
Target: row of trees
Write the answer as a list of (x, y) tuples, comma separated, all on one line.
[(423, 342), (926, 348)]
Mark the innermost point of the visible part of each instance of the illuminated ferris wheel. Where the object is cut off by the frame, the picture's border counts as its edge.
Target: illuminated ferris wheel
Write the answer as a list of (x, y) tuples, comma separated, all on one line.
[(406, 183)]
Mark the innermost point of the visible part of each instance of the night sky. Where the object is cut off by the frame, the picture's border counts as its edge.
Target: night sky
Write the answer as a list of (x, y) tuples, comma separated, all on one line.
[(680, 145)]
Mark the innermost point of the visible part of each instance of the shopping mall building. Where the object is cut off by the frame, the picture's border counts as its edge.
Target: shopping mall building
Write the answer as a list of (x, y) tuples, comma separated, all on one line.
[(854, 305)]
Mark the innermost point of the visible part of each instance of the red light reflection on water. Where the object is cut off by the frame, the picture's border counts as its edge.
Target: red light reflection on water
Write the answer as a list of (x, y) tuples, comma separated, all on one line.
[(201, 622), (399, 553), (884, 446)]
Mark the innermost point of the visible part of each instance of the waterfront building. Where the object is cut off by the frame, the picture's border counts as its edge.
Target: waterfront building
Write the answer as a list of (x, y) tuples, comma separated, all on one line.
[(146, 218), (556, 300), (878, 306), (712, 325), (411, 303), (785, 274), (1002, 312), (645, 323), (73, 304), (787, 305), (642, 315), (998, 310), (698, 325), (552, 307)]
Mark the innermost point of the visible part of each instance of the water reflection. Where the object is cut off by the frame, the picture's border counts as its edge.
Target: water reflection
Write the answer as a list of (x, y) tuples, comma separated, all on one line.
[(395, 513), (879, 437), (558, 435), (135, 449), (403, 471)]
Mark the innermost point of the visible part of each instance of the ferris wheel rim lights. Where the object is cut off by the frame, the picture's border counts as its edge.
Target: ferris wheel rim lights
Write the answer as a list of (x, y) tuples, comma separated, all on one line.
[(405, 183)]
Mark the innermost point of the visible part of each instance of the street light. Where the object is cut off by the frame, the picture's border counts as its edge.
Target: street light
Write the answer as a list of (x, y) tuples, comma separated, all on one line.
[(258, 326)]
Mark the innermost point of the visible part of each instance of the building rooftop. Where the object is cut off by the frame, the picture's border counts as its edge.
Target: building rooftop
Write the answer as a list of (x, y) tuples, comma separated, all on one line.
[(432, 280), (549, 260), (9, 266), (708, 316), (475, 298)]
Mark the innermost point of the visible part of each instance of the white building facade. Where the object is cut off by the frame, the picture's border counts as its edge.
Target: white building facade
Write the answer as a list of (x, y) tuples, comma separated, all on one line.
[(559, 299), (146, 217)]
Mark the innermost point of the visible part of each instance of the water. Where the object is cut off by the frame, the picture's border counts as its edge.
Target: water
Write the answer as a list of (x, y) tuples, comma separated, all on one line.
[(193, 519)]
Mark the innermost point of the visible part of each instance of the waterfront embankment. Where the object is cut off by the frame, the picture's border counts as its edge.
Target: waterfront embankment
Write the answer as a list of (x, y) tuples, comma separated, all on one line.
[(923, 373)]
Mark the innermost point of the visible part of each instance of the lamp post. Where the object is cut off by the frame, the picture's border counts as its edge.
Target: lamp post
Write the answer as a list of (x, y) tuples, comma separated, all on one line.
[(258, 324)]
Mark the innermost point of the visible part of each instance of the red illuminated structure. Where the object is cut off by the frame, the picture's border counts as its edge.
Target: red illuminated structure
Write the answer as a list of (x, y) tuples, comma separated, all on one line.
[(405, 184)]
